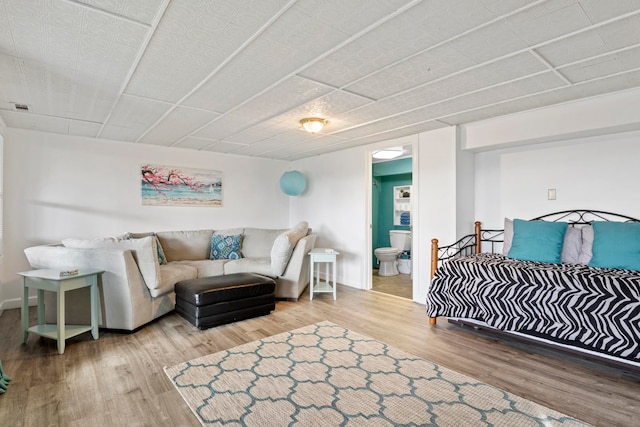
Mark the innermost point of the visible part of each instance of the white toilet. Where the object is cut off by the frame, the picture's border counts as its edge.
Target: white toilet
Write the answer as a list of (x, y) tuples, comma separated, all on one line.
[(400, 241)]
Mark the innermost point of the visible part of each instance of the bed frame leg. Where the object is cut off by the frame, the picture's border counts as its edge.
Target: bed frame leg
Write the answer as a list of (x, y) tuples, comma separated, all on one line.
[(432, 320)]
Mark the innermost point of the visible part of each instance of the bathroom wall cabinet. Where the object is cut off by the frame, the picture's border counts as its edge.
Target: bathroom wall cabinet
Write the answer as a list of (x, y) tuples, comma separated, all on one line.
[(401, 205)]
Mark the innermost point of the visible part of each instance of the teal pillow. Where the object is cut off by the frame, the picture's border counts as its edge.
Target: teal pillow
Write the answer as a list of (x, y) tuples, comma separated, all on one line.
[(616, 245), (225, 247), (162, 259), (537, 240)]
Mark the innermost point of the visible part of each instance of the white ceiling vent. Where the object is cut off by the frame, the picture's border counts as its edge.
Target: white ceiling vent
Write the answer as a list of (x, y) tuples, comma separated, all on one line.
[(20, 107)]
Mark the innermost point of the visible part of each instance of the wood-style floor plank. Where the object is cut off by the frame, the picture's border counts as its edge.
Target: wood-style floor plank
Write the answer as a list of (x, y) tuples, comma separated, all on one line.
[(118, 380)]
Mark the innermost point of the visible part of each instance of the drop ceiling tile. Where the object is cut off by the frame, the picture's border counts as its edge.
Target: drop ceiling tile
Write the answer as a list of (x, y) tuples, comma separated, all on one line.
[(548, 20), (330, 106), (140, 10), (131, 117), (566, 94), (67, 75), (223, 147), (259, 132), (179, 123), (617, 35), (14, 119), (7, 47), (398, 133), (192, 40), (500, 93), (195, 143), (502, 7), (490, 42), (415, 71), (419, 28), (52, 124), (104, 27), (29, 27), (603, 66), (36, 122), (507, 69), (310, 145), (289, 94), (599, 10), (290, 33), (13, 87), (80, 128)]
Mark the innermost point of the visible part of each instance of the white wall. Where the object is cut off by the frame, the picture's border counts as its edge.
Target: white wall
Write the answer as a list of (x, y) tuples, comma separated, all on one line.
[(336, 203), (599, 172), (58, 186), (335, 206)]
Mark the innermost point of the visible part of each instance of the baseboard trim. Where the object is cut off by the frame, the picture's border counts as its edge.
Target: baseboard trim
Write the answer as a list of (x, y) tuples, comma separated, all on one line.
[(8, 304)]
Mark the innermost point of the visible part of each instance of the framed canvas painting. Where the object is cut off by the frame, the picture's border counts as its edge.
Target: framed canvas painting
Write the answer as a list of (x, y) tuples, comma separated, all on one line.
[(177, 186)]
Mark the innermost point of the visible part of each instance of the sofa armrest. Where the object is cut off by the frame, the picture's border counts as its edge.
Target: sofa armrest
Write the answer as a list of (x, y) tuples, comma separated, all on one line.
[(295, 278), (123, 294)]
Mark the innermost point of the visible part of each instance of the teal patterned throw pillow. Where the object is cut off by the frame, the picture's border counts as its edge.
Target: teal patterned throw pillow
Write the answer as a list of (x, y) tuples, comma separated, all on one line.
[(225, 247)]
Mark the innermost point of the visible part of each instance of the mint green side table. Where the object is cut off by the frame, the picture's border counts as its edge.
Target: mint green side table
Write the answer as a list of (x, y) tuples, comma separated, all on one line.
[(50, 280)]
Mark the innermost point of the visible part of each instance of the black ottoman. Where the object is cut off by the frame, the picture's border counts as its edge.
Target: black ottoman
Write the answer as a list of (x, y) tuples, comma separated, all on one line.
[(213, 301)]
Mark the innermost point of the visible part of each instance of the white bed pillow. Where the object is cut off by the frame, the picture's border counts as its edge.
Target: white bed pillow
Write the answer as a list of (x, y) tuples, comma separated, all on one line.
[(586, 251), (572, 245), (508, 236)]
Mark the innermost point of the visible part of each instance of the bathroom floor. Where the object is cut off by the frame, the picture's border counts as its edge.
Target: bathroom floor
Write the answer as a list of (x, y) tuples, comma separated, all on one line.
[(400, 285)]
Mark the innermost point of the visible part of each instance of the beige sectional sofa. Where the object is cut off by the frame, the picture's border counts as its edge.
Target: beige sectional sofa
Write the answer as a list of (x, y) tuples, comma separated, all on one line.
[(141, 269)]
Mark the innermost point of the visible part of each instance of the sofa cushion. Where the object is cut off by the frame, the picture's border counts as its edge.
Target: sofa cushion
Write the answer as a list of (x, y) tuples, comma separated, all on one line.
[(205, 268), (283, 247), (162, 259), (170, 275), (257, 242), (225, 247), (144, 251), (249, 265), (185, 245)]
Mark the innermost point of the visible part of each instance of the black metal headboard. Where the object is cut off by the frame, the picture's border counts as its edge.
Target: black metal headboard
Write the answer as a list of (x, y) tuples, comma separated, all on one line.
[(472, 243), (585, 216)]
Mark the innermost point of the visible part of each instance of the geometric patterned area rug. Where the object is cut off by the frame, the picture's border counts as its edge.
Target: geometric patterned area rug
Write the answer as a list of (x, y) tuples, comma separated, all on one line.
[(324, 374)]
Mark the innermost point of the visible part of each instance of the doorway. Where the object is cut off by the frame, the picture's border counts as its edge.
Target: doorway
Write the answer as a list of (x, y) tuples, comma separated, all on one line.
[(391, 190)]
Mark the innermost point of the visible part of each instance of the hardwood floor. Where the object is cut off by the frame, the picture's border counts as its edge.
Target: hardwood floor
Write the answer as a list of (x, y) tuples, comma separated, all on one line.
[(118, 380), (400, 285)]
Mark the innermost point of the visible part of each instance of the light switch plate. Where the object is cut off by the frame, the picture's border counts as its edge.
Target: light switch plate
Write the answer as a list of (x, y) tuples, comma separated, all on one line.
[(551, 194)]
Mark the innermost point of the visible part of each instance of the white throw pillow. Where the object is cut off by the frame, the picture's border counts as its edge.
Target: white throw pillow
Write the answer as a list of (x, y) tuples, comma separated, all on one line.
[(283, 247), (586, 252), (144, 251), (572, 246), (508, 236)]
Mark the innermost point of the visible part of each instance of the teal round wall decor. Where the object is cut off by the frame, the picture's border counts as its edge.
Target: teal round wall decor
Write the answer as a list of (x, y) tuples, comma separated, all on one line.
[(293, 183)]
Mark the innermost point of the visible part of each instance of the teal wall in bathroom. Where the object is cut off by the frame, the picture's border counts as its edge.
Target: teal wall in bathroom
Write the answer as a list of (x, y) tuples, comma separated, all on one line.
[(393, 167), (386, 175)]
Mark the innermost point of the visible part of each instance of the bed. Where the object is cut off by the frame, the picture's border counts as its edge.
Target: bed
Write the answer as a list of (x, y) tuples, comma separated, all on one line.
[(584, 297)]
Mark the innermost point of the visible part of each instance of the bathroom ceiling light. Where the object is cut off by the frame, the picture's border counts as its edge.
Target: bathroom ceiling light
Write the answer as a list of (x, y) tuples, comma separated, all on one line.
[(313, 125), (388, 154)]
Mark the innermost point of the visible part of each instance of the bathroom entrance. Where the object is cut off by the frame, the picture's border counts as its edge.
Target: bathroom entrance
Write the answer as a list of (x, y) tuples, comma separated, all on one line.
[(392, 180)]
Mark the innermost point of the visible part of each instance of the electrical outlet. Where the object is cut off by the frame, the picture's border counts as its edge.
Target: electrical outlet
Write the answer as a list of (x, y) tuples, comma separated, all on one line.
[(551, 194)]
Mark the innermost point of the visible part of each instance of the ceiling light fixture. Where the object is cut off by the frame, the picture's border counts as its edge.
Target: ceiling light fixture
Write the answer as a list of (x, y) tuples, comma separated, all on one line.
[(388, 154), (313, 125)]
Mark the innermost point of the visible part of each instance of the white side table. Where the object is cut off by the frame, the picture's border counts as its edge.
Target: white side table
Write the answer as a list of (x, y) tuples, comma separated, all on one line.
[(50, 280), (326, 257)]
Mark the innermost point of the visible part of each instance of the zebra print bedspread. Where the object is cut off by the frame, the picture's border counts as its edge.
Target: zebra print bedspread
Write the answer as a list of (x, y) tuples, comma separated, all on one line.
[(594, 308)]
